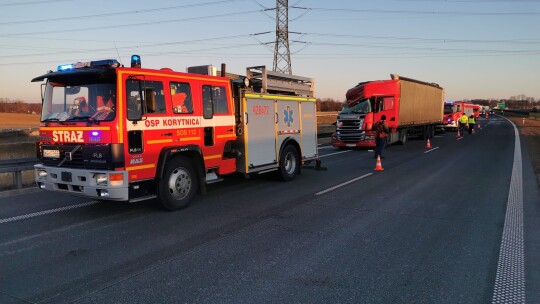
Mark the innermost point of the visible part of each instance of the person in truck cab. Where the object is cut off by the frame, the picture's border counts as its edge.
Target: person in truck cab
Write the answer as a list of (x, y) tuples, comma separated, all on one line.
[(381, 134), (79, 106)]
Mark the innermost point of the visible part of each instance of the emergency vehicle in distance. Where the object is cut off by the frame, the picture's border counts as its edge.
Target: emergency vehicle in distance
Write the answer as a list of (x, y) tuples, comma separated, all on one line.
[(466, 107), (129, 134), (412, 108), (452, 112)]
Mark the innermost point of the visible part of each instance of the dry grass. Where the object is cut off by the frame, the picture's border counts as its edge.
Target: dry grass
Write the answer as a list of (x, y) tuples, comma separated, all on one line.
[(18, 120), (326, 118)]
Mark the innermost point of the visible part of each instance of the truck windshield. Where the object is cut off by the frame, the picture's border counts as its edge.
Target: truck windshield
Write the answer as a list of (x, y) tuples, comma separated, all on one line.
[(362, 107), (81, 102), (448, 109)]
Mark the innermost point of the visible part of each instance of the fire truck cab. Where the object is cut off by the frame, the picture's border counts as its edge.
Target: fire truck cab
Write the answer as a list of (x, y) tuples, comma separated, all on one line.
[(129, 134)]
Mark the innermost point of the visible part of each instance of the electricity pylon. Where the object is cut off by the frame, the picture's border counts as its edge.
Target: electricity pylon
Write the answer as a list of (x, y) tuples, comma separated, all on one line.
[(282, 54)]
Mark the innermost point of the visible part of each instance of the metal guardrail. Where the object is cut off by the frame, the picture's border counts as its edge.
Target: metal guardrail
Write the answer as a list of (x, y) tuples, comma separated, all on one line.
[(17, 166)]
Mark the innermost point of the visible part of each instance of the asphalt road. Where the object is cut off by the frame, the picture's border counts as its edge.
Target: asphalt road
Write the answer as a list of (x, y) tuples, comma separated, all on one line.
[(427, 229)]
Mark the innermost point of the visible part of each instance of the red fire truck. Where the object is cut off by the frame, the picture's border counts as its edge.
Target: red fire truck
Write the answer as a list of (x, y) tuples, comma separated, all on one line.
[(412, 108), (129, 134), (476, 111), (465, 107), (452, 113)]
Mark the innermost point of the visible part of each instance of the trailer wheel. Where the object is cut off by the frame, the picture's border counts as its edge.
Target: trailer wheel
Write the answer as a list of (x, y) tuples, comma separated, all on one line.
[(289, 163), (179, 184), (403, 137), (426, 132)]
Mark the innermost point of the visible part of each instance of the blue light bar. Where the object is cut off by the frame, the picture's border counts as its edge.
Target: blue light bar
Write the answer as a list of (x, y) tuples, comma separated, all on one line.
[(105, 63), (65, 67)]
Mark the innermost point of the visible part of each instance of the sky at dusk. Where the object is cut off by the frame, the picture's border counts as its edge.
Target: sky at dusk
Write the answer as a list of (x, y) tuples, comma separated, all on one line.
[(474, 49)]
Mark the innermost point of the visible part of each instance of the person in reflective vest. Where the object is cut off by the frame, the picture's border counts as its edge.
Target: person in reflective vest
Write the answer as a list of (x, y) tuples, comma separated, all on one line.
[(471, 124), (463, 120)]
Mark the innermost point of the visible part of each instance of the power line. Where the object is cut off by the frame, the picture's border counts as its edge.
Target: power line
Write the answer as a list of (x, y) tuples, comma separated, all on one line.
[(118, 13), (377, 11), (69, 51), (31, 2), (108, 27), (422, 48), (426, 40)]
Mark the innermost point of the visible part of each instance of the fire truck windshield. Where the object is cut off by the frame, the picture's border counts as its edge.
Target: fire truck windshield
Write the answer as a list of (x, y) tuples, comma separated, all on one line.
[(364, 106), (448, 109), (81, 102)]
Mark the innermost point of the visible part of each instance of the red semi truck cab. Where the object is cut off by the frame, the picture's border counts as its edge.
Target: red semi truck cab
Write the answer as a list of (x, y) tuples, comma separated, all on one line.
[(411, 107), (366, 103), (129, 133)]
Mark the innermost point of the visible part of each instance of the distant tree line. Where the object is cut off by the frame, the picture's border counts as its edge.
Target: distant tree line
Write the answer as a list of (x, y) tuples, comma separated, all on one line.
[(18, 106), (514, 102), (329, 105), (323, 105)]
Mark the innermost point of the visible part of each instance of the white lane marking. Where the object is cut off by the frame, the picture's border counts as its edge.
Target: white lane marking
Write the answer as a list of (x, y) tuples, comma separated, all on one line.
[(431, 150), (510, 278), (334, 154), (31, 215), (325, 147), (343, 184), (460, 138)]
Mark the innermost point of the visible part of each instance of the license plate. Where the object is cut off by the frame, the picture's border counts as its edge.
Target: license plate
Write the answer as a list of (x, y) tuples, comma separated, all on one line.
[(66, 177), (51, 153), (350, 145)]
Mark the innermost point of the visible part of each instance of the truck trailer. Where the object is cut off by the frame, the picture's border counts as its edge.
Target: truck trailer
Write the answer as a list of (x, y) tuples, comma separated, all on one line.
[(118, 133), (412, 108)]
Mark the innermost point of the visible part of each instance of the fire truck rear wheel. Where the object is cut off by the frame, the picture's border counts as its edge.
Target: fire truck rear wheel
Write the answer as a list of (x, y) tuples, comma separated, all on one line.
[(289, 163), (179, 184)]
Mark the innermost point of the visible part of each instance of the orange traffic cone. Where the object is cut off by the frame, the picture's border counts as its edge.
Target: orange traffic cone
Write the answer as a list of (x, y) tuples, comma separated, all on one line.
[(458, 135), (479, 126), (378, 165), (428, 146)]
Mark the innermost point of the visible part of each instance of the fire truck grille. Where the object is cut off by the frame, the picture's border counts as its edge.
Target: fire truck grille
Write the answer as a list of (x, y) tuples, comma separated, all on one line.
[(80, 156)]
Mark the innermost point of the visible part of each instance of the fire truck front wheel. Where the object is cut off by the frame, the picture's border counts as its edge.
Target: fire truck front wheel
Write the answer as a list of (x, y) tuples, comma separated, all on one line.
[(289, 163), (179, 184)]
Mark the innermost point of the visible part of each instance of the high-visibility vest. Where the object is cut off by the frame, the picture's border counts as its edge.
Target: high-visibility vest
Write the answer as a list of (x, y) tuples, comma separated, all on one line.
[(471, 120), (464, 119)]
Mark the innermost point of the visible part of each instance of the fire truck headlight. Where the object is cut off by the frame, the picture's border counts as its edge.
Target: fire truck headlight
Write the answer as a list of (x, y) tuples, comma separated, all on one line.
[(101, 179), (42, 174)]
